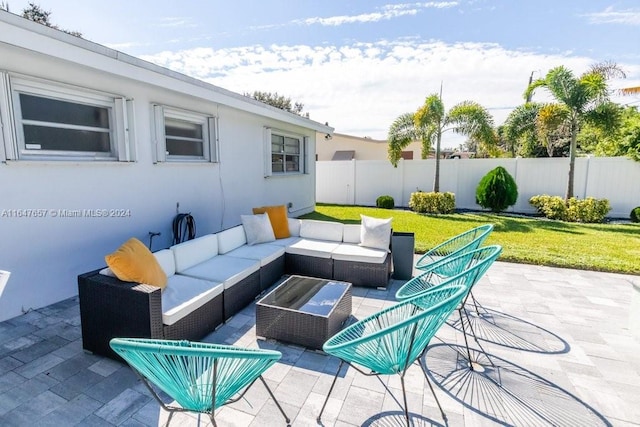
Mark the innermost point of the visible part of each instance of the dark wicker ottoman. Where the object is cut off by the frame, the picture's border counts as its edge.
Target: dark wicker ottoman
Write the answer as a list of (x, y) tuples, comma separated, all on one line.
[(304, 310)]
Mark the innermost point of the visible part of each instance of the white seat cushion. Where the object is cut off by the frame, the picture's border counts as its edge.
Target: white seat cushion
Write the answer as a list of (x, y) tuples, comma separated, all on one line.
[(192, 252), (294, 226), (287, 241), (264, 252), (315, 248), (357, 253), (184, 294), (225, 269)]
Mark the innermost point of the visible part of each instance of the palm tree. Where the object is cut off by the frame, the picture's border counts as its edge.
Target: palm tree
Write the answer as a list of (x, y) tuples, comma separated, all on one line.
[(583, 99), (428, 124)]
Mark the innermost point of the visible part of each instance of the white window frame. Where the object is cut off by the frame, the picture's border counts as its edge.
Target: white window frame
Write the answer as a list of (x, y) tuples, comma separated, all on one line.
[(120, 110), (209, 134), (268, 152)]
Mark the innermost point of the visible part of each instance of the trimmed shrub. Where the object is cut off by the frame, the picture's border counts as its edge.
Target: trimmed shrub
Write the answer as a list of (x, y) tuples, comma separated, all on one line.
[(497, 190), (435, 203), (588, 210), (552, 207), (385, 202), (635, 214)]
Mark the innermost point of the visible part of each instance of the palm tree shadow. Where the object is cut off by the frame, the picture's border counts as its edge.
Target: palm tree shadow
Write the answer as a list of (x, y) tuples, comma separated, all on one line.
[(504, 392)]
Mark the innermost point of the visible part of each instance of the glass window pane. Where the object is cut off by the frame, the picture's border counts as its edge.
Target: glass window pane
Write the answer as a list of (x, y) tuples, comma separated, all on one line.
[(55, 111), (293, 163), (277, 163), (292, 146), (65, 139), (180, 128), (181, 147)]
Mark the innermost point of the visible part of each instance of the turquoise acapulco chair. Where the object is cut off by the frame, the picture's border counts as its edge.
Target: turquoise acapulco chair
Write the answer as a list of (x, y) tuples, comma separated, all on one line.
[(464, 242), (390, 341), (472, 266), (200, 377)]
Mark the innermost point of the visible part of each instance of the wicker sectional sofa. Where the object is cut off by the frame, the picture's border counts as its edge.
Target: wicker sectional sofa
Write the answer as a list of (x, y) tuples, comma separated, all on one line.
[(212, 277)]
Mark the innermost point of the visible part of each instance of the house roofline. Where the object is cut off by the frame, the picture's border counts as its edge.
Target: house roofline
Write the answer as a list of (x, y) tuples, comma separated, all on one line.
[(221, 95)]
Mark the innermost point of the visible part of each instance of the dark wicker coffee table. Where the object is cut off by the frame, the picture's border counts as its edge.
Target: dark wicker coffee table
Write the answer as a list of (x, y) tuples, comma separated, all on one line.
[(304, 310)]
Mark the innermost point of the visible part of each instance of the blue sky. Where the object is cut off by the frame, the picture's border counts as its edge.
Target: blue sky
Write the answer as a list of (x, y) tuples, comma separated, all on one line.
[(360, 64)]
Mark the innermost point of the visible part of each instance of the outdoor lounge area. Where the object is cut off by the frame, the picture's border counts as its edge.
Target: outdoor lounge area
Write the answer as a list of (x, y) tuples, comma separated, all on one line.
[(560, 341)]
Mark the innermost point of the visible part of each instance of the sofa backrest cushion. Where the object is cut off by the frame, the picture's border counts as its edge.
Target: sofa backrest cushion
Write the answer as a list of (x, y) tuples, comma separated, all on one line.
[(167, 261), (351, 233), (192, 252), (321, 230), (294, 226), (231, 239)]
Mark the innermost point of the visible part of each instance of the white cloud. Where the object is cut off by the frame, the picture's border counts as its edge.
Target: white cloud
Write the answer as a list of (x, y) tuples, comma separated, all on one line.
[(386, 12), (361, 88), (611, 16), (176, 21)]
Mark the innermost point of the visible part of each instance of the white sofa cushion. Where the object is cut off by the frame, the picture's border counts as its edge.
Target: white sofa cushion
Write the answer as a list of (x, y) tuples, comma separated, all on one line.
[(257, 228), (375, 232), (321, 230), (264, 252), (193, 252), (357, 253), (315, 248), (351, 233), (184, 294), (167, 261), (231, 239), (225, 269), (294, 226), (287, 241)]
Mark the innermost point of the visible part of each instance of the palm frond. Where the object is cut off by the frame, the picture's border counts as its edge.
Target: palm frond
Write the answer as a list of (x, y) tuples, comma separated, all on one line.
[(401, 133)]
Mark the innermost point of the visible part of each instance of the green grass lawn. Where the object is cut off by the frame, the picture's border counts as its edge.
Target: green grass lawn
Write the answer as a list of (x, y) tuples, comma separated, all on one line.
[(601, 247)]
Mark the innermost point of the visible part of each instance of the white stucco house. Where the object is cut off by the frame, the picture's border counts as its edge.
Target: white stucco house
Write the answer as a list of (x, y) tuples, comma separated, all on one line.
[(340, 146), (97, 146)]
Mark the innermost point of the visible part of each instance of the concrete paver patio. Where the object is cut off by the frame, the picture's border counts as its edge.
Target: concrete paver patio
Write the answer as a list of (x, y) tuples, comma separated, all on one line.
[(560, 352)]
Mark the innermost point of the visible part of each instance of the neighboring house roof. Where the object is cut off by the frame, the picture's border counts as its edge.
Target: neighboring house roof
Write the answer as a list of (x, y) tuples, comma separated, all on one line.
[(24, 39), (344, 155)]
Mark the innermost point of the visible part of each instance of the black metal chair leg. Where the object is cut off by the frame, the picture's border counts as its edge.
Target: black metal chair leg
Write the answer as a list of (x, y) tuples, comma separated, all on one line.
[(330, 390), (275, 400)]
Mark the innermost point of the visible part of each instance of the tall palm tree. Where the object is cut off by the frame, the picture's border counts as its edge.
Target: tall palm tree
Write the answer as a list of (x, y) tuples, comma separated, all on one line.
[(585, 98), (430, 121)]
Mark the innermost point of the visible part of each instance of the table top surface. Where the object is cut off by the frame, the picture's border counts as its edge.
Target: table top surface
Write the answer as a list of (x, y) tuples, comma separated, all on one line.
[(307, 294)]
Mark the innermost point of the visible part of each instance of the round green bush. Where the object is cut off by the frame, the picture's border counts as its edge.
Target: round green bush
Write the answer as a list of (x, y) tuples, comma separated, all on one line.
[(385, 202), (497, 190), (635, 214)]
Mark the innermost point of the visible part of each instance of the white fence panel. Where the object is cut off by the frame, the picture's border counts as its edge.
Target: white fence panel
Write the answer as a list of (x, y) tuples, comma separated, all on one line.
[(360, 182), (335, 182)]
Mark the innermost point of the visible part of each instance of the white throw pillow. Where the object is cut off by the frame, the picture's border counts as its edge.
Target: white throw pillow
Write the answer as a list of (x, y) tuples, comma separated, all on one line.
[(257, 228), (375, 232)]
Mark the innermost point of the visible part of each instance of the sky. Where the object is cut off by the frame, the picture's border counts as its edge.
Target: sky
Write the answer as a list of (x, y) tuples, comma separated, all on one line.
[(358, 65)]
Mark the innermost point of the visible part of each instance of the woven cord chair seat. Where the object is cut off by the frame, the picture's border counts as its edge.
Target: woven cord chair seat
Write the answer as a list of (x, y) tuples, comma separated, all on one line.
[(467, 241), (389, 341), (200, 377)]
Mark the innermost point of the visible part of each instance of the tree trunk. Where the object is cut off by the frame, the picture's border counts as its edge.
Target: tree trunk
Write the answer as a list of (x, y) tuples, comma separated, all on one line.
[(436, 180), (572, 158)]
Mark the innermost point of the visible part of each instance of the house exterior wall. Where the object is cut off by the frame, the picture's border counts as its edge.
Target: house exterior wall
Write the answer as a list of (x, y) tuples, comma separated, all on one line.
[(45, 254), (365, 148)]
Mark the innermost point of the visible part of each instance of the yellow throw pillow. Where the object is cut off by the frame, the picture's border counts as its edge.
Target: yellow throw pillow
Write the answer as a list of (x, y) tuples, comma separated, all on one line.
[(134, 262), (278, 219)]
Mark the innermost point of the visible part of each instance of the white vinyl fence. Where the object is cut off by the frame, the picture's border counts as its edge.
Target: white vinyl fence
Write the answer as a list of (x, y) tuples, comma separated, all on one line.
[(361, 182)]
